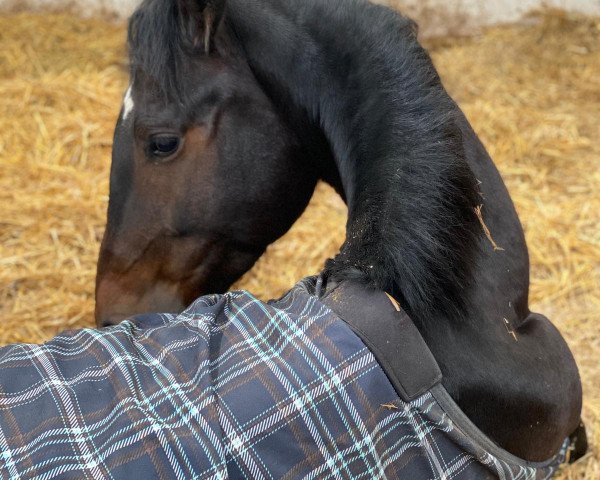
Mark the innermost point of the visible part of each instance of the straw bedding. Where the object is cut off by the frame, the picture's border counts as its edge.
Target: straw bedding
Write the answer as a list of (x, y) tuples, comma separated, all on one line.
[(532, 91)]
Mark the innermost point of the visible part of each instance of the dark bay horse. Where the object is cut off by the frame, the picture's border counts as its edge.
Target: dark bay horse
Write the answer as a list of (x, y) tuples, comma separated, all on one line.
[(237, 108)]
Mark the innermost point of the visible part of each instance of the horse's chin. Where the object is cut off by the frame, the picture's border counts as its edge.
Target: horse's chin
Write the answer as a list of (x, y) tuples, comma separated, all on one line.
[(115, 303)]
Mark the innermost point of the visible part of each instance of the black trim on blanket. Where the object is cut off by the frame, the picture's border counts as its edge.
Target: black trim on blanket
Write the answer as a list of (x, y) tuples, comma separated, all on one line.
[(391, 336)]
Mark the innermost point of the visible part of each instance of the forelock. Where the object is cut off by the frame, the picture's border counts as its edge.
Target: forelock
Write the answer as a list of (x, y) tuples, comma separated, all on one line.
[(156, 44)]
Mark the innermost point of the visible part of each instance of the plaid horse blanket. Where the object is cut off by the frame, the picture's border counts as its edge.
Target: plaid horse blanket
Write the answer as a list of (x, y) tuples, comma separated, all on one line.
[(235, 388)]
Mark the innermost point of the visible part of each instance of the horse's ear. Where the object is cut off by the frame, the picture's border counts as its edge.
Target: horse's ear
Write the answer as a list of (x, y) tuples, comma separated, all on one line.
[(199, 20)]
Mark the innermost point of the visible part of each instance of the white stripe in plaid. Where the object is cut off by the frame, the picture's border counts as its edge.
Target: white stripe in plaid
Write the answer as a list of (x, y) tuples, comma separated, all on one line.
[(232, 388)]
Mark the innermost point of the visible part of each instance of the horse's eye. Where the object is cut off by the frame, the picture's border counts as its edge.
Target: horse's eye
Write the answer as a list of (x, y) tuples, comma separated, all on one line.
[(163, 146)]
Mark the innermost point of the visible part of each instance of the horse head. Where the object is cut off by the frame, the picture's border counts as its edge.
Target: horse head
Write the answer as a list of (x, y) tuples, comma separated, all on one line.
[(205, 172)]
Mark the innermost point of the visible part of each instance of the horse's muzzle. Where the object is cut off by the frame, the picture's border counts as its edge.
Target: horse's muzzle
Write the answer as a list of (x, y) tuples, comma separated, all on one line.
[(116, 302)]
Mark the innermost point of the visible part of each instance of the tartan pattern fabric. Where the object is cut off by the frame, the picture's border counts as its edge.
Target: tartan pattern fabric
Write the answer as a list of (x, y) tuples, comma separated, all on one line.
[(233, 388)]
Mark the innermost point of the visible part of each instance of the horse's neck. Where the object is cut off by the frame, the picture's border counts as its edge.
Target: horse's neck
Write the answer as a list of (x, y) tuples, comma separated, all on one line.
[(397, 140), (393, 133)]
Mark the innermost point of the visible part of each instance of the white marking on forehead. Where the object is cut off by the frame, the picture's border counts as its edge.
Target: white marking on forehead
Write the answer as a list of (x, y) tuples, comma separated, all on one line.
[(127, 104)]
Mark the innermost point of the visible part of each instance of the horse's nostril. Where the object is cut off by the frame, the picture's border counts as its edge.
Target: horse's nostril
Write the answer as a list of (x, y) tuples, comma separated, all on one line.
[(110, 321)]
